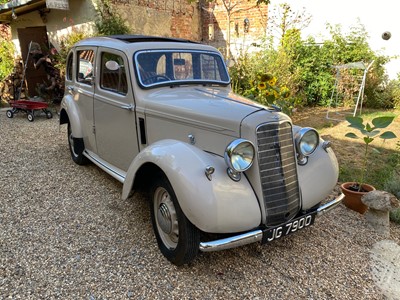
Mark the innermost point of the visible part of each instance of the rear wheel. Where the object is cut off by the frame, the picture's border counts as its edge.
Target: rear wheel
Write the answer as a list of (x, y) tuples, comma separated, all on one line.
[(49, 115), (9, 113), (177, 238), (76, 147), (30, 117)]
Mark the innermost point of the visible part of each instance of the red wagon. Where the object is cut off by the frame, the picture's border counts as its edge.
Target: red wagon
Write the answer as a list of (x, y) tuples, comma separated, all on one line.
[(29, 107)]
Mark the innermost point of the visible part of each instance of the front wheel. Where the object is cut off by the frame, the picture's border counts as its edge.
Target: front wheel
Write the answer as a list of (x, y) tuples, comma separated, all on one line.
[(76, 147), (177, 238)]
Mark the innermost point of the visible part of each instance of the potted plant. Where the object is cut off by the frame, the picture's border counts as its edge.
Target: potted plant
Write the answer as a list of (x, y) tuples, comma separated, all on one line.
[(367, 133)]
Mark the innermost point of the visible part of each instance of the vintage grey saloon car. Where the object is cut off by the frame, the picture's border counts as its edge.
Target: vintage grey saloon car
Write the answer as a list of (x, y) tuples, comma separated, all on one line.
[(221, 171)]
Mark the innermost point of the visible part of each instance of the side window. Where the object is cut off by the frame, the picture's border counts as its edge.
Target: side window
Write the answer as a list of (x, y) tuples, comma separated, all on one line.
[(69, 66), (85, 66), (113, 73)]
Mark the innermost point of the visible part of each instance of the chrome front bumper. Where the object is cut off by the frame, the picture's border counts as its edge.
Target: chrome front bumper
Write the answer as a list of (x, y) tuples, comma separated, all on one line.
[(257, 235)]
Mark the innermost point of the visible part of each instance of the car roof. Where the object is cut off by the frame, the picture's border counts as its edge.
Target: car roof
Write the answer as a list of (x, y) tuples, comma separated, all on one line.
[(129, 43), (148, 38)]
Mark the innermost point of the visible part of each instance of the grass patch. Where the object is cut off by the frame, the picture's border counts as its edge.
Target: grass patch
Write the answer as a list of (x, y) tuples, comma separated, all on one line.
[(383, 168)]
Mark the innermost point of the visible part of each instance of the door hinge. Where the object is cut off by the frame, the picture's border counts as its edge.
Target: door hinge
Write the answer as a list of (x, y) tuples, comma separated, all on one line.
[(94, 129)]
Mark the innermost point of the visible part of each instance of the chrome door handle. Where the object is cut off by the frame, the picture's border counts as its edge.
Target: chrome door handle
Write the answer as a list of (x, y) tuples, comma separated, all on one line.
[(70, 88), (127, 107)]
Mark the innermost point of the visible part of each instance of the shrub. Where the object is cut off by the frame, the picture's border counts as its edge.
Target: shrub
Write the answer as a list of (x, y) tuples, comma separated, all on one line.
[(66, 42), (7, 50), (393, 184), (265, 89), (109, 22)]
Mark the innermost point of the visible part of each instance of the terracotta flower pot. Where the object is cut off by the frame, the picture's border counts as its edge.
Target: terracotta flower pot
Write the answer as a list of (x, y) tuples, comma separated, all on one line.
[(352, 198)]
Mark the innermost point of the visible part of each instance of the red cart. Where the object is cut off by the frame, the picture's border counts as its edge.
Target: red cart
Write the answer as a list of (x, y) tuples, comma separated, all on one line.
[(29, 107)]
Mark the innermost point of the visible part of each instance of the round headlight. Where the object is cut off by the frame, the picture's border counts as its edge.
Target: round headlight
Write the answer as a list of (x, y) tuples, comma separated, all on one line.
[(239, 155), (307, 140)]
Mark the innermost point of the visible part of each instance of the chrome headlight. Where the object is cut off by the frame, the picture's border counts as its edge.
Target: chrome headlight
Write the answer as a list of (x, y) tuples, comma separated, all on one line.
[(239, 155), (307, 140)]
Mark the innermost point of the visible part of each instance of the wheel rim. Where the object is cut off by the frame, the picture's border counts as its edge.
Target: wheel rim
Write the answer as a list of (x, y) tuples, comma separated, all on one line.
[(30, 117), (166, 218), (71, 143), (9, 114)]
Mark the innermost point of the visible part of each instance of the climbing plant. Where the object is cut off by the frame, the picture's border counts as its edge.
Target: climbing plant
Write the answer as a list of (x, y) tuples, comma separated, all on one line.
[(109, 21)]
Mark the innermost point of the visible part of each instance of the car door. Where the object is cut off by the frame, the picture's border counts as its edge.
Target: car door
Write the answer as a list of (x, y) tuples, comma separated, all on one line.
[(114, 110), (84, 92)]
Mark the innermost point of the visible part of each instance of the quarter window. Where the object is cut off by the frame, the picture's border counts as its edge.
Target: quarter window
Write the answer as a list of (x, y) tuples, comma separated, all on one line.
[(113, 73)]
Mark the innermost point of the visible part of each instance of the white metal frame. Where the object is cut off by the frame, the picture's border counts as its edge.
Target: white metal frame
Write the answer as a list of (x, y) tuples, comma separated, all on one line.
[(360, 94)]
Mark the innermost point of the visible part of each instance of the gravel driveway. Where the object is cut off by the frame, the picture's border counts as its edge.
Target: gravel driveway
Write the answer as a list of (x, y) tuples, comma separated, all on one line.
[(66, 234)]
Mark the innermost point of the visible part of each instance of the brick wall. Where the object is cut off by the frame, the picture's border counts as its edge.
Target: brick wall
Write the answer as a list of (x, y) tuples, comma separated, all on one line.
[(240, 39), (178, 18), (172, 18)]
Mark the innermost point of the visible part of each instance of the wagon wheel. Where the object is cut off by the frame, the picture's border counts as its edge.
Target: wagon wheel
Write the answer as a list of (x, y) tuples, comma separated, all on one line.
[(9, 113), (30, 117), (49, 115)]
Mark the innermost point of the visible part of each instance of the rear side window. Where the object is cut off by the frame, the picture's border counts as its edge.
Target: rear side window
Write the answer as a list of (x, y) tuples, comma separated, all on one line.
[(113, 73), (85, 66)]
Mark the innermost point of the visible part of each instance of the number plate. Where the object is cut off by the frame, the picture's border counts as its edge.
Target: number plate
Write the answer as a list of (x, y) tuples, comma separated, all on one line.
[(295, 225)]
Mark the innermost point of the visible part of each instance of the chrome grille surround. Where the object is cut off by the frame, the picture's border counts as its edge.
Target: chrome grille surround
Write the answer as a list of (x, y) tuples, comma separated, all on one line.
[(278, 172)]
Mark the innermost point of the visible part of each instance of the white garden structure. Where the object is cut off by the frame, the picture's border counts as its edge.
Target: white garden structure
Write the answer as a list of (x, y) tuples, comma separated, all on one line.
[(348, 89)]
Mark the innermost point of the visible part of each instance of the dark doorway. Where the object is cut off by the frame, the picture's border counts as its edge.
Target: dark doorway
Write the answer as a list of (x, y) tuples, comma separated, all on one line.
[(33, 77)]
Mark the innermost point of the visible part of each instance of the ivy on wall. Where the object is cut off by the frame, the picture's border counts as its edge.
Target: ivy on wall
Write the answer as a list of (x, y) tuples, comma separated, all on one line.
[(108, 21)]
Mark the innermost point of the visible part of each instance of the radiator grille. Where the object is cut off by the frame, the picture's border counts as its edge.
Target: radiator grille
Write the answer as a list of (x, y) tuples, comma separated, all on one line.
[(278, 173)]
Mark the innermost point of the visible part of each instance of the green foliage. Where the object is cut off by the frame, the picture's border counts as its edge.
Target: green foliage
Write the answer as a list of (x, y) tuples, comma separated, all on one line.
[(66, 42), (108, 21), (306, 67), (7, 50), (393, 184), (368, 133), (389, 96), (266, 91)]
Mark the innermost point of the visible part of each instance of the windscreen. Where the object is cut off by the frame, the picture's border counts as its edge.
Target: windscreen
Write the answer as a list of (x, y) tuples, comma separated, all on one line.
[(161, 67)]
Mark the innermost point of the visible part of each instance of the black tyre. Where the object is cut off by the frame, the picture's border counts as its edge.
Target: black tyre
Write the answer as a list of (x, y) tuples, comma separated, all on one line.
[(30, 117), (49, 115), (9, 113), (177, 238), (76, 147)]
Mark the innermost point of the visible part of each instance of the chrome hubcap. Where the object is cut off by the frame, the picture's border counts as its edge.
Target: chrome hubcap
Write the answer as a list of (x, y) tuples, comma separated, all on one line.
[(71, 144), (166, 218)]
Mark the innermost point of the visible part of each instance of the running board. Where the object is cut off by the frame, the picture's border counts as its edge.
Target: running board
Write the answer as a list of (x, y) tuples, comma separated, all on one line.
[(118, 174)]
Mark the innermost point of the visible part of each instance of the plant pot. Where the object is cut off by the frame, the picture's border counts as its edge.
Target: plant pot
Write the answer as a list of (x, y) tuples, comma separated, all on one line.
[(352, 198)]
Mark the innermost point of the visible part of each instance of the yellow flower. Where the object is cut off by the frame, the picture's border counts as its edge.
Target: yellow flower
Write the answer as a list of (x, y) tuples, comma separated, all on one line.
[(262, 86), (272, 81), (285, 92), (268, 93)]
